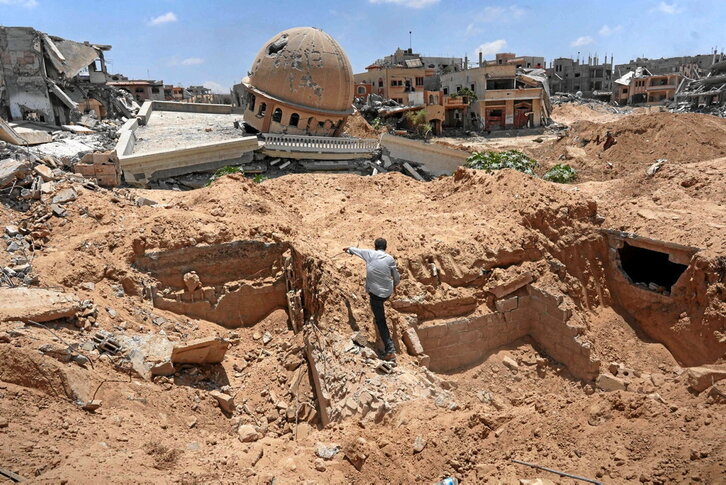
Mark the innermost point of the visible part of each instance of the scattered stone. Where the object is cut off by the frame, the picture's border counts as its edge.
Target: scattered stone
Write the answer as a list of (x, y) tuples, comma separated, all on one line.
[(326, 452), (412, 342), (247, 433), (58, 211), (701, 378), (65, 196), (12, 231), (4, 423), (356, 452), (266, 338), (256, 336), (419, 444), (226, 402), (45, 172), (12, 170), (208, 350), (112, 313), (192, 281), (36, 304), (359, 339), (510, 363), (320, 465), (88, 286), (165, 368), (610, 383)]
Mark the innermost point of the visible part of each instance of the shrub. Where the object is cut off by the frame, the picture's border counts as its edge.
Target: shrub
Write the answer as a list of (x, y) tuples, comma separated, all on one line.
[(259, 178), (561, 173), (222, 172), (417, 120), (491, 161)]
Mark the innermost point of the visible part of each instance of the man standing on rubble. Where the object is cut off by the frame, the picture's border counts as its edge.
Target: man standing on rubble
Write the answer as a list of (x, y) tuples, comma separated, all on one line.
[(382, 277)]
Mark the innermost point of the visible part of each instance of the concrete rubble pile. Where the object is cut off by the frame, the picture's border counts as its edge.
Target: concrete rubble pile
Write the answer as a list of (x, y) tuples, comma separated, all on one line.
[(48, 80), (704, 95)]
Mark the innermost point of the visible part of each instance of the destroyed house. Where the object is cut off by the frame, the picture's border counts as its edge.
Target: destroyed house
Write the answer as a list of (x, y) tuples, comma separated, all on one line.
[(710, 90), (48, 79), (593, 79), (504, 97), (642, 87)]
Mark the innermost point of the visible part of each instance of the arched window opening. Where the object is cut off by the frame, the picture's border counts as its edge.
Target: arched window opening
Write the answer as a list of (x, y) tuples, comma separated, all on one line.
[(251, 102), (277, 115), (263, 108), (294, 119)]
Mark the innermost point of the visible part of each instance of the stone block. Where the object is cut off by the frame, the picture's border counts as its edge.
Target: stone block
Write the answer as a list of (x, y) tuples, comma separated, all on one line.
[(225, 401), (511, 286), (36, 304), (457, 326), (209, 350), (507, 304), (412, 342), (701, 378), (609, 383)]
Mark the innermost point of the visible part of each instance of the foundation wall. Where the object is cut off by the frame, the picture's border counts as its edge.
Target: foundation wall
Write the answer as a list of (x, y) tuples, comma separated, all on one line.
[(463, 342)]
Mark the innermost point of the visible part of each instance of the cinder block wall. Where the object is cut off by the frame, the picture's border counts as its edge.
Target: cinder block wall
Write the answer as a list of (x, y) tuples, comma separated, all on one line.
[(465, 341)]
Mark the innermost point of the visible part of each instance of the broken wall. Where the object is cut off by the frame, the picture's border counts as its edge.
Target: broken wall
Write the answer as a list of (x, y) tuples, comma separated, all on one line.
[(23, 69)]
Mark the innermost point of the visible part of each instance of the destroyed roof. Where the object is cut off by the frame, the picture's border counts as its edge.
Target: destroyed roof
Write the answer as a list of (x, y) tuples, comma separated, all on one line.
[(414, 63), (69, 57)]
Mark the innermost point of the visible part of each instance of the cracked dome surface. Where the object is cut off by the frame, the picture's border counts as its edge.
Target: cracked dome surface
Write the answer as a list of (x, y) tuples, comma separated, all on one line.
[(304, 66)]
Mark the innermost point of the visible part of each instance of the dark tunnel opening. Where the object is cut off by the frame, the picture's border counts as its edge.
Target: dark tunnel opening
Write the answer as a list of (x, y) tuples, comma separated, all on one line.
[(648, 267)]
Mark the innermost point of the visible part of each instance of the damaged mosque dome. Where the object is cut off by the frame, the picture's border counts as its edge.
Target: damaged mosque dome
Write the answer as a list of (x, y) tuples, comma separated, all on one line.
[(301, 82)]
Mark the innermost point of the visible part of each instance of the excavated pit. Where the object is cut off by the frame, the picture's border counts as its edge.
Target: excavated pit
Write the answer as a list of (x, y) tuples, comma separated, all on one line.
[(235, 284)]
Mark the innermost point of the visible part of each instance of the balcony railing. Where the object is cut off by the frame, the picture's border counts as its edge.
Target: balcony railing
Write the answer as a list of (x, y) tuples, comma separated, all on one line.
[(319, 144)]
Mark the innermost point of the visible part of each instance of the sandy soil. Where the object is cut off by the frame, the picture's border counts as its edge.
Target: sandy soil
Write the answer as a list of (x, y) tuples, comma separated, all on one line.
[(468, 422)]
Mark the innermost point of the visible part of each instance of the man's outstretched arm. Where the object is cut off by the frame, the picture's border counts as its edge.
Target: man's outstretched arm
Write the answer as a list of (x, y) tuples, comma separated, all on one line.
[(361, 253)]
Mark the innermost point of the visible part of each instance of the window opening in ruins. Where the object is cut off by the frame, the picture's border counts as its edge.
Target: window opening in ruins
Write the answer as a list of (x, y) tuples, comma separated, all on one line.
[(263, 108), (294, 119), (277, 115), (251, 98), (648, 267)]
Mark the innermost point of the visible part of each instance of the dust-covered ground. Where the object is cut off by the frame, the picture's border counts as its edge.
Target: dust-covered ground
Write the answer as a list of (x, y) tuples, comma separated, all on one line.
[(604, 389)]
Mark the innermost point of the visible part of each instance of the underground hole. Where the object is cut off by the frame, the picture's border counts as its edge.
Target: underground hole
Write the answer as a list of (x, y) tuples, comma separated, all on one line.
[(235, 284), (649, 268)]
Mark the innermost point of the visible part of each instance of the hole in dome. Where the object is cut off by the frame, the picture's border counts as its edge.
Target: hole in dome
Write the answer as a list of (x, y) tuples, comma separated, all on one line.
[(277, 45)]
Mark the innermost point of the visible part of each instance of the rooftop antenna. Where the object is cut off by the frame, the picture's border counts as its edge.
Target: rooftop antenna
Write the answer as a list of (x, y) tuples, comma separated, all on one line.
[(410, 45)]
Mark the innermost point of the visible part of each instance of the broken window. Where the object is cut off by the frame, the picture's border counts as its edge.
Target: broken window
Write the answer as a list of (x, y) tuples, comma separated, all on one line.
[(277, 115), (419, 81), (431, 99), (263, 108), (652, 269), (155, 90), (380, 82), (446, 91), (361, 90), (294, 119), (251, 101)]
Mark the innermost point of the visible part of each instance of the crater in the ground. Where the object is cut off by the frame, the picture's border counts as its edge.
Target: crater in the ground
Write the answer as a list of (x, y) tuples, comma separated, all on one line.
[(235, 284)]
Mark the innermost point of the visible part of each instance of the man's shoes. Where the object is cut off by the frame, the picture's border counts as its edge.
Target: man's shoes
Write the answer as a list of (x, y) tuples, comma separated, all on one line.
[(390, 357)]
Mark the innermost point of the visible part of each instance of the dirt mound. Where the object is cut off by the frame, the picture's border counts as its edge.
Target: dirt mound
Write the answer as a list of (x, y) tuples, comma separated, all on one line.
[(641, 140), (568, 113), (358, 127)]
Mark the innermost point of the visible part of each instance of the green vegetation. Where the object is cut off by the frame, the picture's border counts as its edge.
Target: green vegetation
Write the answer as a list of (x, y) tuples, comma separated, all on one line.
[(491, 161), (222, 172), (377, 124), (467, 93), (419, 123), (259, 178), (561, 173)]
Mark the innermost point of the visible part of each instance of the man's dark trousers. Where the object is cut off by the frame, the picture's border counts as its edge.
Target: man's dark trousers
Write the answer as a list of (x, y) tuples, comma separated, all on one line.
[(379, 313)]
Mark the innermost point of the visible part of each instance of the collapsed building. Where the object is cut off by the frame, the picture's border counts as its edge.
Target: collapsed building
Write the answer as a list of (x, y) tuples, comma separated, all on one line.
[(643, 87), (708, 93), (592, 78), (52, 80)]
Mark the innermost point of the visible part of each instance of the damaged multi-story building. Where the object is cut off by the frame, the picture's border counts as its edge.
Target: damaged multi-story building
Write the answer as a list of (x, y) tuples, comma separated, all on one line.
[(689, 66), (300, 83), (53, 80), (643, 87), (709, 92), (592, 79), (504, 95)]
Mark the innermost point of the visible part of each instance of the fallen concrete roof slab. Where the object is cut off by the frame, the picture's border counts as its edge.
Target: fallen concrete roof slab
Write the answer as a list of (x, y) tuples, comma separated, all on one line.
[(36, 304)]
